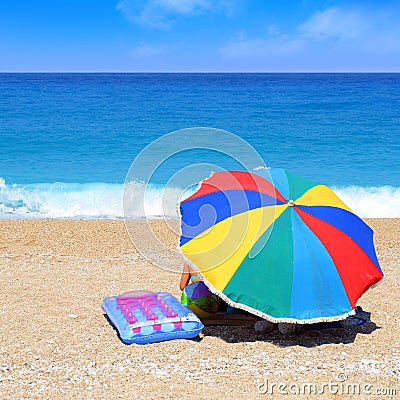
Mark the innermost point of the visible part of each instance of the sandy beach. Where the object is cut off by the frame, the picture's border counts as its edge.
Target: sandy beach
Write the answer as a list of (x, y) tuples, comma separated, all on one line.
[(57, 344)]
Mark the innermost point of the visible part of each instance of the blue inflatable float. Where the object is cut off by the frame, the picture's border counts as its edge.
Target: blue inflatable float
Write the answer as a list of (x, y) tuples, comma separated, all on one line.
[(143, 317)]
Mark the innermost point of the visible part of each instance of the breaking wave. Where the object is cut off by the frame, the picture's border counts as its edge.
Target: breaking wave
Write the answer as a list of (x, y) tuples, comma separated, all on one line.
[(106, 200)]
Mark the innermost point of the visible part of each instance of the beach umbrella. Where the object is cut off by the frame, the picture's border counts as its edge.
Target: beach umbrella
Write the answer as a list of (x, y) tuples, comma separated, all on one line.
[(278, 246)]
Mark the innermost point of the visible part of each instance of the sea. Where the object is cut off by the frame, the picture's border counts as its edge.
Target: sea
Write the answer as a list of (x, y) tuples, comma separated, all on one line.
[(71, 143)]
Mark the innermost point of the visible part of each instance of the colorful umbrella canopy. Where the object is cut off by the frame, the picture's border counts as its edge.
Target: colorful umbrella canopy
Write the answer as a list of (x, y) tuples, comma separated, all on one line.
[(278, 246)]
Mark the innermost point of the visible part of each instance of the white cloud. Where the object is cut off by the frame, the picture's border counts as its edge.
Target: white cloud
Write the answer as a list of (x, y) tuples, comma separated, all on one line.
[(184, 6), (337, 38), (161, 13), (335, 23)]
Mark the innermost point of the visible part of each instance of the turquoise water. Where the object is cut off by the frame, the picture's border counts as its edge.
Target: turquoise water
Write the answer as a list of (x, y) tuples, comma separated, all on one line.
[(67, 140)]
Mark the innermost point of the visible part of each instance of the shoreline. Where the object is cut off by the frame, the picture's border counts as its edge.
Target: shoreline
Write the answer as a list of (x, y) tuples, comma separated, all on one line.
[(56, 342)]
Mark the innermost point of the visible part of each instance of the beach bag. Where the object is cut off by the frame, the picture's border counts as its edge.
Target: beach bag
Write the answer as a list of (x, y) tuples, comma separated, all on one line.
[(198, 298)]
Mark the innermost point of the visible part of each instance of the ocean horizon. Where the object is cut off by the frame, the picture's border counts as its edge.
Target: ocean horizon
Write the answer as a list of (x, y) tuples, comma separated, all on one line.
[(67, 140)]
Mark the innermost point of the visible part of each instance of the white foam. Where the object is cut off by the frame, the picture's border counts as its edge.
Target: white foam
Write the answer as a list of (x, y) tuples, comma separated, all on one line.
[(151, 201), (105, 200), (87, 201), (371, 202), (61, 200)]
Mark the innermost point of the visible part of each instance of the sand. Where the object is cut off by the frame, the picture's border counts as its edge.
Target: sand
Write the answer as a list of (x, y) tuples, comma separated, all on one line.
[(57, 344)]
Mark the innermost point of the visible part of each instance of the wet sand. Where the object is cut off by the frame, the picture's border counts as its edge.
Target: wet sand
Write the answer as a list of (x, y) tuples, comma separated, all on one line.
[(57, 344)]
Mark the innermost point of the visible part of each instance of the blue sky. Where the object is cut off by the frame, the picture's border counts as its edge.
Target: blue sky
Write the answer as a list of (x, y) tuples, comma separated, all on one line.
[(199, 35)]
